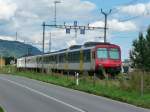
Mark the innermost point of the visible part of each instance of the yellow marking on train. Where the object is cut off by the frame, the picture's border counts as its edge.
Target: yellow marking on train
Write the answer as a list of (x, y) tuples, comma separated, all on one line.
[(81, 60)]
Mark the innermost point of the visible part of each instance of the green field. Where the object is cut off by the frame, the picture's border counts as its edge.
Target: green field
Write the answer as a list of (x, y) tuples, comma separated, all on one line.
[(122, 89)]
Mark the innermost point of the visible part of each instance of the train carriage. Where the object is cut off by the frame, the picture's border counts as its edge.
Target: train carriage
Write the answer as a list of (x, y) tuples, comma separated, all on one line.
[(89, 57)]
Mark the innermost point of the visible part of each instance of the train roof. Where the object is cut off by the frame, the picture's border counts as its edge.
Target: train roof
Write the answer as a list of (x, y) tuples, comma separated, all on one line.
[(56, 51), (75, 47), (90, 44)]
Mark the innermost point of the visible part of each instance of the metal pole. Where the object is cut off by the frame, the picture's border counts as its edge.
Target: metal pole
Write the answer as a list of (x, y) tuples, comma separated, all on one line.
[(15, 46), (55, 13), (50, 43), (76, 30), (105, 27), (16, 36), (43, 47), (43, 36), (76, 33), (26, 55)]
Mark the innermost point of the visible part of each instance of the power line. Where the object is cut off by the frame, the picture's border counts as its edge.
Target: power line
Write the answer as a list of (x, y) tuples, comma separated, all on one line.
[(133, 17), (129, 3), (130, 18), (116, 10)]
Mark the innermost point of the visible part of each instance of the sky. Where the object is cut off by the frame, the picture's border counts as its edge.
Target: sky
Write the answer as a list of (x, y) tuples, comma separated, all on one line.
[(127, 19)]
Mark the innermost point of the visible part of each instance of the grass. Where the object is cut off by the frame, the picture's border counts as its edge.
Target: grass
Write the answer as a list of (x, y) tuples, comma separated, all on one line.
[(115, 89), (1, 110)]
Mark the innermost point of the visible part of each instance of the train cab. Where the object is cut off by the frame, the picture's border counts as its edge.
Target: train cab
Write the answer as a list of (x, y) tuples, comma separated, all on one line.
[(108, 56)]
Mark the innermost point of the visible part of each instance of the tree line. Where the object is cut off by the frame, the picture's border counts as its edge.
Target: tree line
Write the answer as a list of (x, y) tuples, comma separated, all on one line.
[(140, 52)]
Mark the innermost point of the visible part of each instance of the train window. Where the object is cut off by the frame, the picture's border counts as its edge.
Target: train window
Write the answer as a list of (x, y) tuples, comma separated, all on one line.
[(61, 58), (40, 59), (37, 60), (51, 59), (114, 53), (102, 53), (54, 58), (65, 57), (74, 57), (47, 59), (69, 57), (44, 59), (87, 55)]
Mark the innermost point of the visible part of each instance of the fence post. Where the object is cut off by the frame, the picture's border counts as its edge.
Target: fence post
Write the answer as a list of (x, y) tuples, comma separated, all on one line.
[(67, 75), (77, 79), (94, 78), (142, 84)]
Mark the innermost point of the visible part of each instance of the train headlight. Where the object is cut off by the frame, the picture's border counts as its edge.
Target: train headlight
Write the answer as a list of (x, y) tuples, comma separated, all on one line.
[(100, 64)]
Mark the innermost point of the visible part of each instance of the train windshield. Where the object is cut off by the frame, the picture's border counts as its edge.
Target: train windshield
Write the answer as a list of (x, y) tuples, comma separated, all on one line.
[(114, 53), (102, 53)]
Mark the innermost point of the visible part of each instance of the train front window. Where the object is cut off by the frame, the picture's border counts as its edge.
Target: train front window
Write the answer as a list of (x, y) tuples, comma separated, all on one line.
[(102, 53), (114, 53)]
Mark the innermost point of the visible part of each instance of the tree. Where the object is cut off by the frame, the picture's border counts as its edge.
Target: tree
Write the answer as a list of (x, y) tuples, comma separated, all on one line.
[(140, 54), (148, 48), (8, 60)]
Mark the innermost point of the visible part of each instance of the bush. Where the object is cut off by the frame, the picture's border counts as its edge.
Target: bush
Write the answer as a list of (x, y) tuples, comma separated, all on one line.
[(1, 110), (133, 82)]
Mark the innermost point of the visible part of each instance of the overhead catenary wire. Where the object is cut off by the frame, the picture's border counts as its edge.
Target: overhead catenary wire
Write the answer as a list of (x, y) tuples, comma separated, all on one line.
[(130, 18), (134, 17), (116, 10)]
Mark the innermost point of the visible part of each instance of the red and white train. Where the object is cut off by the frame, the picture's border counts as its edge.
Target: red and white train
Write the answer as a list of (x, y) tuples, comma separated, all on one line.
[(89, 57)]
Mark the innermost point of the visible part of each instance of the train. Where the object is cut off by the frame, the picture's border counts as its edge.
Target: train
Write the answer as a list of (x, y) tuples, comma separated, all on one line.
[(89, 57)]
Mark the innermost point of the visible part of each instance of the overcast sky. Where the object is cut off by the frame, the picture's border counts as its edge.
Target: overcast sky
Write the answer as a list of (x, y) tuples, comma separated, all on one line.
[(26, 17)]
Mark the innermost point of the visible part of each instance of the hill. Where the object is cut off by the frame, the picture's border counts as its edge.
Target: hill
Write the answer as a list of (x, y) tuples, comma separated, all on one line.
[(16, 49)]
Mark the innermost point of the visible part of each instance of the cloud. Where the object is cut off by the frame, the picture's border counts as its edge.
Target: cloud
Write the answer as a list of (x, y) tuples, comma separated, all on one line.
[(61, 40), (26, 16), (116, 25), (71, 42), (7, 9), (136, 9), (72, 9)]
